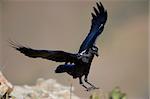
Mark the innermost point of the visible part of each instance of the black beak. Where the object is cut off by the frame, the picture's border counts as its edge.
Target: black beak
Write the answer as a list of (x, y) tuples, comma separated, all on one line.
[(97, 54)]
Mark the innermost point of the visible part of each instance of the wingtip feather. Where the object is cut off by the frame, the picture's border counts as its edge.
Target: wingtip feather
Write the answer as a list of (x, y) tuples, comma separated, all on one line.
[(93, 15), (15, 45), (96, 11)]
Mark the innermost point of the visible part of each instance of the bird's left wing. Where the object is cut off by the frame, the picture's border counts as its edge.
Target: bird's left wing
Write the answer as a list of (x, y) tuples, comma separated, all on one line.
[(97, 26), (58, 56)]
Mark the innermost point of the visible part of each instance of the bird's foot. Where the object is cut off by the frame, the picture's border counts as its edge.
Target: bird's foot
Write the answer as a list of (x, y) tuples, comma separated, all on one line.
[(91, 88), (95, 87)]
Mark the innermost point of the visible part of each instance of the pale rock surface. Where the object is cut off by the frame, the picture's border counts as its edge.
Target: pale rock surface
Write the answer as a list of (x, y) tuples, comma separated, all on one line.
[(5, 86), (44, 89)]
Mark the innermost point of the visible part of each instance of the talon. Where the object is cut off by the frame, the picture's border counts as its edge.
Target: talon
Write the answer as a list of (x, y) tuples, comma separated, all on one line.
[(89, 89), (95, 88)]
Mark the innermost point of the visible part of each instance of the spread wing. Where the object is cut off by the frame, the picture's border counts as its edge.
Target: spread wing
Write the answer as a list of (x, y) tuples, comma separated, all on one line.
[(97, 26), (58, 56)]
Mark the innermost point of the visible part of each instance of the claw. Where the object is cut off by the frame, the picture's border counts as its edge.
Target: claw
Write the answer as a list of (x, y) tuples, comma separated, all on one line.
[(91, 88), (95, 87)]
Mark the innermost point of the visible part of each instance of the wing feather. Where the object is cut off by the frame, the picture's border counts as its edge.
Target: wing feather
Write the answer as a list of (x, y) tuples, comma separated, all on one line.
[(58, 56), (97, 26)]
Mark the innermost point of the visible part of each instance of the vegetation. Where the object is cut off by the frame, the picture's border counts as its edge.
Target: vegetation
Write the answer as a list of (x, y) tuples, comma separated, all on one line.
[(114, 94)]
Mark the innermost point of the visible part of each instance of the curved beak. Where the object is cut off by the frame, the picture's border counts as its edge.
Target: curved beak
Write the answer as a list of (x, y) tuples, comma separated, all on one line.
[(96, 53)]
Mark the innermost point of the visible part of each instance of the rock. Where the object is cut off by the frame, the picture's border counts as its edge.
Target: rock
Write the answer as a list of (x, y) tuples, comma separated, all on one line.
[(5, 86), (43, 89)]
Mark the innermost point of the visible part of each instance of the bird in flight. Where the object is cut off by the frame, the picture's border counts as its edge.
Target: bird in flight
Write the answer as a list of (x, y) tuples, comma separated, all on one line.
[(75, 64)]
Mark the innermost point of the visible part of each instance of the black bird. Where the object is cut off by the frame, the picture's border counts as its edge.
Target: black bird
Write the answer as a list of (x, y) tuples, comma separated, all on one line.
[(77, 65)]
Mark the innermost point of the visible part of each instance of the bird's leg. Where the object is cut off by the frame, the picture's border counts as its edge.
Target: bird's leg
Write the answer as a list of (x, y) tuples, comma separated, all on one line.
[(87, 88), (86, 80), (81, 83)]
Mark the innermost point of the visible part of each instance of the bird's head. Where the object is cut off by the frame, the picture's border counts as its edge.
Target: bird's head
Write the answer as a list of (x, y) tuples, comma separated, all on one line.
[(94, 50)]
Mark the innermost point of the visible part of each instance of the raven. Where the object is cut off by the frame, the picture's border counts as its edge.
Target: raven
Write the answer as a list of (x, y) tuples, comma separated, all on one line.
[(77, 65)]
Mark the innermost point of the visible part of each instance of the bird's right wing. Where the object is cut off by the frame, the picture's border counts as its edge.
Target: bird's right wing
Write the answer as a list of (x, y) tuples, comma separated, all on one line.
[(58, 56)]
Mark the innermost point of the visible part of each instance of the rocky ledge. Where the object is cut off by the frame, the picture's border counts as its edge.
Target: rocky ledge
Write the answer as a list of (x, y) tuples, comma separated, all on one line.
[(44, 89)]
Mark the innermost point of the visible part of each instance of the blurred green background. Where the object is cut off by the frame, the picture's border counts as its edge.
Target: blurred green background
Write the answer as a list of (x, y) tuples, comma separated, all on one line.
[(62, 25)]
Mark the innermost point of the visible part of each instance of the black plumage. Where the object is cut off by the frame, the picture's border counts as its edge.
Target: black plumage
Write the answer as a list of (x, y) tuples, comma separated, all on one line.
[(97, 26), (76, 65)]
